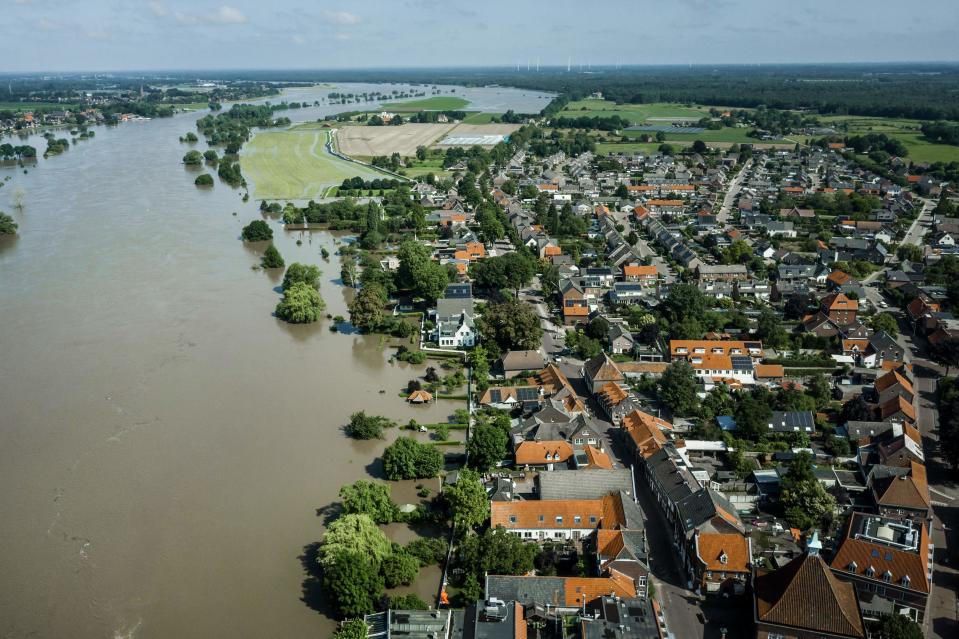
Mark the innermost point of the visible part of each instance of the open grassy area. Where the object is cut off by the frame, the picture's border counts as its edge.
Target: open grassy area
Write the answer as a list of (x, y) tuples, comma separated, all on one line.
[(637, 114), (726, 134), (436, 103), (480, 118), (905, 130), (33, 106), (294, 164), (604, 148)]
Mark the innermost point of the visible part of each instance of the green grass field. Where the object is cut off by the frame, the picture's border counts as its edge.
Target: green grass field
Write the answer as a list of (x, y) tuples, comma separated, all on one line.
[(905, 130), (436, 103), (480, 118), (636, 113), (727, 134), (294, 165)]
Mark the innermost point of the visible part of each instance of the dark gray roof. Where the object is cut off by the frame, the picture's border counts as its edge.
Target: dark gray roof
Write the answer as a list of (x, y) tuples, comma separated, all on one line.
[(523, 361), (460, 291), (632, 618), (588, 483), (527, 590), (792, 421)]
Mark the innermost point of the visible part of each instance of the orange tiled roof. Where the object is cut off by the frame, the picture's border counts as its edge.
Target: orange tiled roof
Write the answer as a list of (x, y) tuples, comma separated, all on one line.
[(896, 405), (544, 452), (598, 458), (576, 311), (646, 436), (839, 302), (838, 277), (580, 590), (891, 379), (708, 345), (768, 371), (712, 547), (613, 393), (665, 203), (903, 563), (640, 270), (609, 542), (535, 514)]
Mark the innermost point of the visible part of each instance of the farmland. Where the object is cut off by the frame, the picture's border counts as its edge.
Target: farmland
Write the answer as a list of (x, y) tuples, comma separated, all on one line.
[(904, 130), (385, 140), (436, 103), (368, 141), (294, 164)]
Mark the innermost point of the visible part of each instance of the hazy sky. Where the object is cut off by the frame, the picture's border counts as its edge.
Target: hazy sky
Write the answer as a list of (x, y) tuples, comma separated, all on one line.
[(46, 35)]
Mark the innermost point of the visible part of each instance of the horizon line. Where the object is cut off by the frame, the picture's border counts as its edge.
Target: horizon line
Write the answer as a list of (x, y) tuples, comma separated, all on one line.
[(608, 66)]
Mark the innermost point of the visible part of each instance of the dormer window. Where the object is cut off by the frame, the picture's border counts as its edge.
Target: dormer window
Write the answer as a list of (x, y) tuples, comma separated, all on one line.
[(887, 576), (905, 581), (852, 566), (559, 519), (723, 558), (870, 571)]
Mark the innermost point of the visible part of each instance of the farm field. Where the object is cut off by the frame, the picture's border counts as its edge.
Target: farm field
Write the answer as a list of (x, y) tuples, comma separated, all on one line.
[(294, 165), (369, 141), (33, 106), (435, 103), (636, 113), (386, 140), (726, 134)]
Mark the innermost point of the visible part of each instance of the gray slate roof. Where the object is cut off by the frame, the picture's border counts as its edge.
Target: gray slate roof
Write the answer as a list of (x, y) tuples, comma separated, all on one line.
[(588, 483)]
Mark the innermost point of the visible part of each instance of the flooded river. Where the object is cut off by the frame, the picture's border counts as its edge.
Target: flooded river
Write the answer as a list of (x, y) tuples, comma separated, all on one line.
[(165, 443)]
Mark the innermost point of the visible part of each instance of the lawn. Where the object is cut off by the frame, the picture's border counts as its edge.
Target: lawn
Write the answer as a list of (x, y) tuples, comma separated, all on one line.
[(436, 103), (636, 114), (33, 106), (295, 165)]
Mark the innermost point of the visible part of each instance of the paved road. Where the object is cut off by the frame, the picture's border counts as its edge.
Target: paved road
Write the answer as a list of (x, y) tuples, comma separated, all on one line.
[(941, 615), (920, 226), (734, 187)]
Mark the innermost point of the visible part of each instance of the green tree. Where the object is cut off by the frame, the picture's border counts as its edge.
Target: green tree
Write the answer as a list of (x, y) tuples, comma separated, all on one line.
[(683, 301), (803, 498), (885, 322), (257, 231), (677, 388), (407, 602), (752, 415), (511, 271), (193, 158), (428, 550), (511, 325), (699, 146), (496, 552), (351, 629), (770, 330), (7, 225), (366, 308), (486, 446), (818, 388), (909, 252), (354, 532), (363, 426), (583, 346), (479, 362), (370, 498), (418, 272), (204, 179), (467, 500), (895, 627), (301, 304), (306, 273), (272, 258), (408, 459), (400, 569), (353, 582)]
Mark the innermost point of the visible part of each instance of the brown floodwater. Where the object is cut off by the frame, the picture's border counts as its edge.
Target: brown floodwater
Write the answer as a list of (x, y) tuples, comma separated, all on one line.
[(165, 443)]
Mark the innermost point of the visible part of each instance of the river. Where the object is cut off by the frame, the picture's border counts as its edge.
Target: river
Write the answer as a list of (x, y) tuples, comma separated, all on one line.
[(165, 443)]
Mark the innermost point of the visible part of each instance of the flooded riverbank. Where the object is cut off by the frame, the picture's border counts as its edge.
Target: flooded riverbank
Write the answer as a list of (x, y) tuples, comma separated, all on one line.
[(165, 443)]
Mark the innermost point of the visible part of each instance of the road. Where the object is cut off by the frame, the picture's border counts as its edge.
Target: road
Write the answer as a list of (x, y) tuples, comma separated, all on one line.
[(732, 192), (920, 225), (942, 619)]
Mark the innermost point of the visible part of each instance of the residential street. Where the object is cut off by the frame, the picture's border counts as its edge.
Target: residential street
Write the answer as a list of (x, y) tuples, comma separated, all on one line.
[(732, 192)]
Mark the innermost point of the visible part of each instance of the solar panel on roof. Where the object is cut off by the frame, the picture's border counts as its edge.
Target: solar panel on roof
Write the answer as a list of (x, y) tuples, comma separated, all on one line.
[(741, 362), (527, 394)]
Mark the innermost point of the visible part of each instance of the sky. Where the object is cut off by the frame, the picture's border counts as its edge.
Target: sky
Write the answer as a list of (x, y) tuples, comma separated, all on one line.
[(121, 35)]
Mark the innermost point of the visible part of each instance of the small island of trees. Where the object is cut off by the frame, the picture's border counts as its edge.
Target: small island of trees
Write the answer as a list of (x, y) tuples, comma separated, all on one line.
[(272, 258), (193, 158), (301, 303), (257, 231), (204, 180), (7, 225)]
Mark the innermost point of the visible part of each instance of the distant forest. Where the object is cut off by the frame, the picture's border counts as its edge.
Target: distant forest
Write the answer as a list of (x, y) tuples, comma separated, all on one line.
[(922, 91)]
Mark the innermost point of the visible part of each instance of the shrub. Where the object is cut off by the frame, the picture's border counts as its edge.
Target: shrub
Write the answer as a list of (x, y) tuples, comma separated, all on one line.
[(193, 158), (363, 426), (272, 258), (204, 180)]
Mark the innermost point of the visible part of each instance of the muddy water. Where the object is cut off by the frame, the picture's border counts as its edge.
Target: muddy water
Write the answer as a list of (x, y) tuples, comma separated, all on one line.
[(165, 443)]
